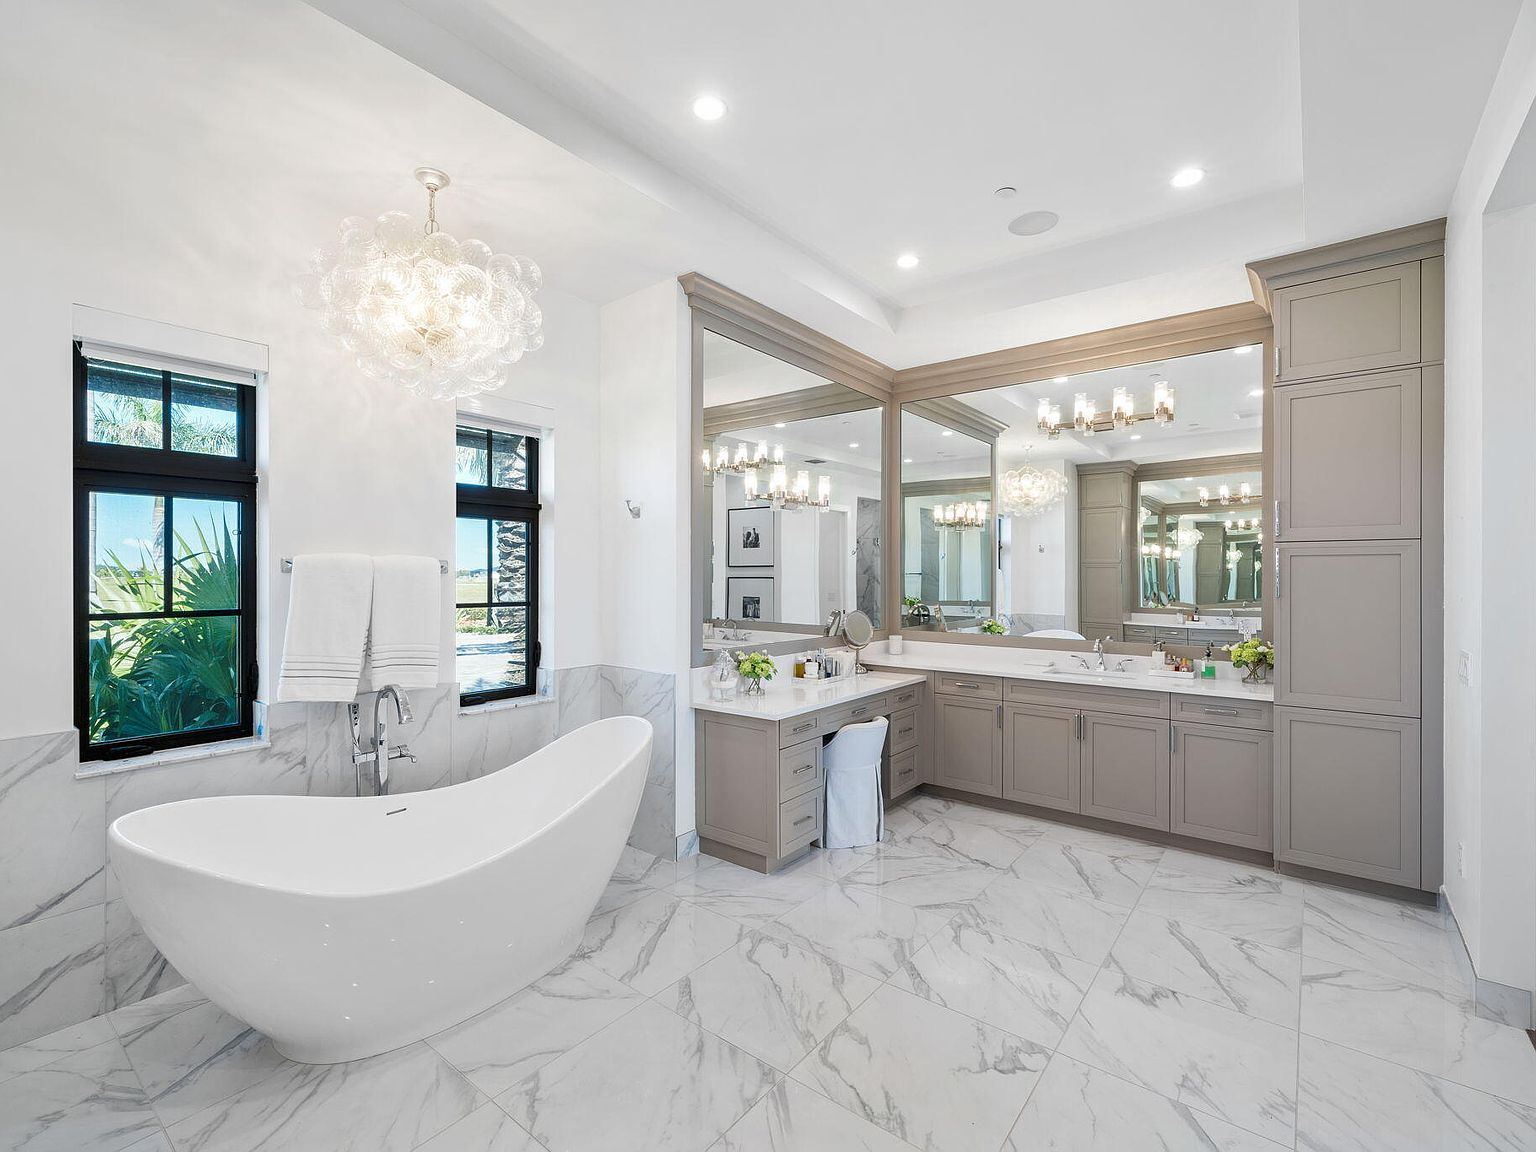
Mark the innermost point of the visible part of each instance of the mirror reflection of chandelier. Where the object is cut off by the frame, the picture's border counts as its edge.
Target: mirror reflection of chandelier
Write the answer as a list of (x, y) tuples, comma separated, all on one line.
[(1155, 550), (781, 493), (1242, 523), (744, 460), (1188, 536), (1087, 418), (961, 517), (1028, 491), (1234, 555), (1245, 495)]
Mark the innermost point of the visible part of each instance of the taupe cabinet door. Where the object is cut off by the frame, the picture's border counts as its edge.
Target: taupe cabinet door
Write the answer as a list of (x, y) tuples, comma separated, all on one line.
[(1222, 785), (1042, 762), (1347, 458), (1348, 619), (1348, 793), (1348, 323), (968, 746), (1125, 769)]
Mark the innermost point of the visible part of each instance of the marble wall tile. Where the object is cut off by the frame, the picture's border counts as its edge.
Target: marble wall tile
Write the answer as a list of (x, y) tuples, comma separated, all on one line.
[(330, 750), (52, 830), (578, 698), (429, 735), (651, 695), (612, 686), (52, 973), (688, 844), (134, 967)]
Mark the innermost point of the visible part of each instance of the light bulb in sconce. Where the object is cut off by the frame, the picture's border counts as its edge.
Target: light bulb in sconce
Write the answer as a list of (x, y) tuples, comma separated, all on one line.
[(1245, 492), (707, 461), (1090, 414), (749, 483), (722, 458), (1162, 402), (742, 459), (1224, 494), (824, 490), (1205, 497), (778, 454), (1079, 410), (761, 455)]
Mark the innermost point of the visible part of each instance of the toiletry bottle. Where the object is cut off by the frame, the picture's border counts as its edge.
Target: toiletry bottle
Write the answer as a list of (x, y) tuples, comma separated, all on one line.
[(1208, 667), (812, 667), (800, 666)]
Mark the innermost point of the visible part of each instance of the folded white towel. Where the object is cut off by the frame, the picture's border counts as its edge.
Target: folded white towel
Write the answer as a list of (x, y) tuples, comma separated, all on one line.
[(328, 602), (405, 642)]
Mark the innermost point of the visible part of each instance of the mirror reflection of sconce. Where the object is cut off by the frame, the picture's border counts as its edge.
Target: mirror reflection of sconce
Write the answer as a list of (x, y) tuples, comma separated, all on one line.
[(634, 509)]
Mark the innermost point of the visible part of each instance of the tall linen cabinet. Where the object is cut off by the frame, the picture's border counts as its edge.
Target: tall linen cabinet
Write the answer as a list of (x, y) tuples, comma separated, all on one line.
[(1355, 529)]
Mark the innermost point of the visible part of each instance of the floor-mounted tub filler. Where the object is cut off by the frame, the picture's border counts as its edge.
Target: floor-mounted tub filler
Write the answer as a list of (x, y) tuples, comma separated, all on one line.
[(344, 927)]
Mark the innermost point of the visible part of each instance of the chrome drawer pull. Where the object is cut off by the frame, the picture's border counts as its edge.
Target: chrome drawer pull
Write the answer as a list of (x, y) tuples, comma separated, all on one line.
[(967, 684), (803, 727), (908, 772), (1221, 712), (859, 711), (803, 820), (804, 768)]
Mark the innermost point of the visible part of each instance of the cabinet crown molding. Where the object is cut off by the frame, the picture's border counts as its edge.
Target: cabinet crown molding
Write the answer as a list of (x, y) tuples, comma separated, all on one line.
[(1415, 242)]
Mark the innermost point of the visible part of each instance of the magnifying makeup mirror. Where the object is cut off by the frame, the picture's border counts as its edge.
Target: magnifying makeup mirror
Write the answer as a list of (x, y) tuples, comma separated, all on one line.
[(857, 633)]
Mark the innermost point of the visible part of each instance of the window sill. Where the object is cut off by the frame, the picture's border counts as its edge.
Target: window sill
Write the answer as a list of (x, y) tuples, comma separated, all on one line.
[(504, 705), (172, 756)]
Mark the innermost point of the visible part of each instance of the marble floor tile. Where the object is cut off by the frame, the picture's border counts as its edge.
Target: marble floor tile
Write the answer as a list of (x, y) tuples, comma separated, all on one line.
[(486, 1129), (1064, 922), (90, 1100), (1238, 900), (656, 941), (388, 1103), (1109, 843), (858, 929), (1077, 1108), (774, 999), (1255, 979), (45, 1050), (1390, 937), (189, 1054), (1351, 1102), (971, 843), (936, 883), (1103, 876), (619, 892), (742, 894), (1021, 988), (652, 1081), (933, 1077), (1423, 1028), (834, 863), (507, 1042), (1212, 1059), (926, 808), (642, 867), (155, 1142), (792, 1118)]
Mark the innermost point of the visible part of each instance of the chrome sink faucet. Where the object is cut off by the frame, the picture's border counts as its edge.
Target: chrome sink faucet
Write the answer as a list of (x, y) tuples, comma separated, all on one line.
[(1098, 651), (380, 754)]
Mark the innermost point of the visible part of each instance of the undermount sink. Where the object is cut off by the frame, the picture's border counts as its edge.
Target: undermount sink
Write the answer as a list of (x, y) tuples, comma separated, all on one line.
[(1088, 673)]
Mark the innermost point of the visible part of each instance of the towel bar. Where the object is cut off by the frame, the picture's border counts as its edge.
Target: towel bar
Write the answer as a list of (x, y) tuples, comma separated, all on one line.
[(287, 565)]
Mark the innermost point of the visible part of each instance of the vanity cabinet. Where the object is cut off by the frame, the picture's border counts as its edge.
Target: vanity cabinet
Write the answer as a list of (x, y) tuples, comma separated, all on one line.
[(1221, 784), (1351, 323), (1347, 458), (1355, 652), (1042, 761), (1125, 769), (968, 744)]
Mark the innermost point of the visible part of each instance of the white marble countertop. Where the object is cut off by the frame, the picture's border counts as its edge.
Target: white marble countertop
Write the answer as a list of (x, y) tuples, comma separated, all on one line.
[(784, 696), (1220, 623), (1050, 667)]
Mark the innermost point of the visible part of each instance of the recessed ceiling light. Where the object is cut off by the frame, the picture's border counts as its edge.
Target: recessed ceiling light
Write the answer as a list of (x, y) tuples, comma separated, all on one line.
[(1136, 436), (1061, 379), (906, 459), (1256, 392), (708, 107), (947, 432), (907, 260), (1187, 480), (1033, 223), (778, 425), (1187, 177), (853, 444), (1243, 351), (1006, 192)]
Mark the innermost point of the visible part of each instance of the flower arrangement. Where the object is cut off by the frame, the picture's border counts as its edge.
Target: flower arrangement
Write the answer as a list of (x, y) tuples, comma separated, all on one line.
[(754, 668), (994, 627), (1255, 654)]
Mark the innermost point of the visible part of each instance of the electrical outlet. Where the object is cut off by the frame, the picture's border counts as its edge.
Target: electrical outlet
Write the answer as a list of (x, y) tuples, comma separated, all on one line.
[(1461, 859), (1464, 669)]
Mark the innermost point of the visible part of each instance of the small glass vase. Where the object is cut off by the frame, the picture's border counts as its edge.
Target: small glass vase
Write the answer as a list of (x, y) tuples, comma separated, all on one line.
[(1257, 674), (751, 686)]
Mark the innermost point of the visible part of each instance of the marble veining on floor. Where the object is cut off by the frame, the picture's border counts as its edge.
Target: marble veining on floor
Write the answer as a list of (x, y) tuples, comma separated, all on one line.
[(980, 982)]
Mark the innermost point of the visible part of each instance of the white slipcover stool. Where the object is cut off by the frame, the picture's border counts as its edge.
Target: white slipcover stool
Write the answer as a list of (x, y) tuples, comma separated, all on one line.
[(855, 807)]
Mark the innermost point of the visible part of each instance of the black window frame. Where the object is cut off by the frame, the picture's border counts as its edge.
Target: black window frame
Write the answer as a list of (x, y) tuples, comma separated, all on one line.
[(164, 471), (492, 503)]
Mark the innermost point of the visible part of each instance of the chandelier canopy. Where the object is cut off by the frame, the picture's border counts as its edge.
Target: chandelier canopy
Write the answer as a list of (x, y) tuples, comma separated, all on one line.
[(442, 317), (1029, 491)]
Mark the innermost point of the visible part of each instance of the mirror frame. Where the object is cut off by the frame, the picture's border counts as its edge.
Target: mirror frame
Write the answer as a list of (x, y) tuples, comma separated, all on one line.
[(728, 313), (1198, 466)]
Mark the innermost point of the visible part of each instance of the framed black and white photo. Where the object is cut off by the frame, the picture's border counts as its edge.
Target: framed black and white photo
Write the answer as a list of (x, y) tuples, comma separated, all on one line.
[(749, 536), (749, 598)]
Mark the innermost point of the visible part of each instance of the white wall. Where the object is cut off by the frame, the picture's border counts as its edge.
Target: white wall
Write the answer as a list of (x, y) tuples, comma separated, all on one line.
[(1489, 767), (1037, 582)]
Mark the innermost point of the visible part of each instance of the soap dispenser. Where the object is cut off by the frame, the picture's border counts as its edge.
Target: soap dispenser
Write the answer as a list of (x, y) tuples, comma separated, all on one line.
[(1208, 665)]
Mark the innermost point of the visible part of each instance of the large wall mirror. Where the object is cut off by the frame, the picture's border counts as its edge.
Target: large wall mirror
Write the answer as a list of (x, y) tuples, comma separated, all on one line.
[(1070, 507), (792, 479)]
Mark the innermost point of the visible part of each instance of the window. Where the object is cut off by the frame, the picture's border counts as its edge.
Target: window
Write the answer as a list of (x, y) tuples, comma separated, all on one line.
[(496, 565), (165, 566)]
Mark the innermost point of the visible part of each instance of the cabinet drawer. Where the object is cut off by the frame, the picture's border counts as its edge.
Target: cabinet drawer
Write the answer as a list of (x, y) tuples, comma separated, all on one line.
[(906, 697), (798, 728), (1125, 702), (799, 821), (800, 769), (855, 713), (1140, 633), (1214, 636), (1231, 713), (903, 730), (903, 776), (980, 687), (1173, 635)]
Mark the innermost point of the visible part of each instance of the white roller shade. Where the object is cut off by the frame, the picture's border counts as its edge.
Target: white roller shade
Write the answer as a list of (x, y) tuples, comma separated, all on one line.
[(164, 347), (161, 363)]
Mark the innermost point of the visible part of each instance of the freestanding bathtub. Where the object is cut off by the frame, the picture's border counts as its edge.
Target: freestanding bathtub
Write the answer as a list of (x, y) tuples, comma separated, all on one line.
[(346, 927)]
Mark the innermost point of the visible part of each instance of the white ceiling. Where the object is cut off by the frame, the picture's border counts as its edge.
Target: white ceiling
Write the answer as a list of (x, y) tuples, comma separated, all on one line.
[(860, 130)]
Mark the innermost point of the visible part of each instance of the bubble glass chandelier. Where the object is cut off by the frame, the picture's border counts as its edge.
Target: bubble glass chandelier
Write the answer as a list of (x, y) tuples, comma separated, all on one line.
[(442, 317)]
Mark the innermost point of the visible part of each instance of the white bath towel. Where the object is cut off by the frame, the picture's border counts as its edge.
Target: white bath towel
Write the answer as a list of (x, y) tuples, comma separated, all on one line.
[(328, 603), (406, 636)]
